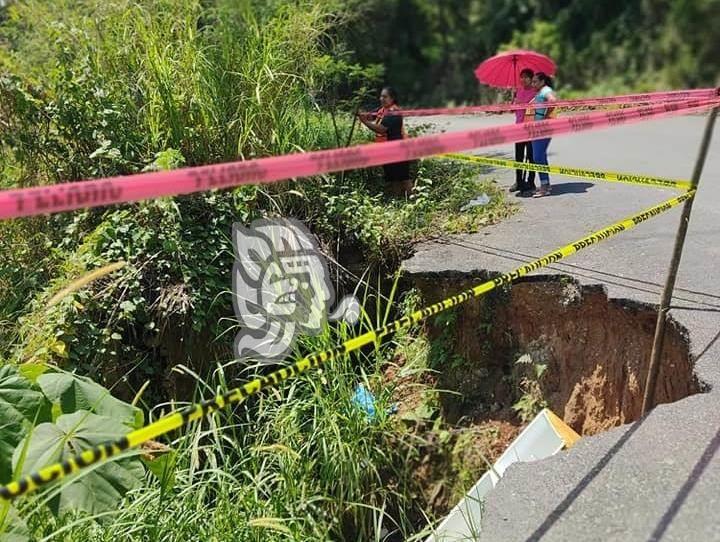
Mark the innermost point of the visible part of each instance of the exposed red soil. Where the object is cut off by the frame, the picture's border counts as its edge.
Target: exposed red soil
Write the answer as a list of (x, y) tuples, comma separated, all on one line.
[(596, 351)]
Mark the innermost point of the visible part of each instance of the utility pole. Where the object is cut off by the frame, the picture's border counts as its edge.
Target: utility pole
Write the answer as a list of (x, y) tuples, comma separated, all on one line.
[(659, 339)]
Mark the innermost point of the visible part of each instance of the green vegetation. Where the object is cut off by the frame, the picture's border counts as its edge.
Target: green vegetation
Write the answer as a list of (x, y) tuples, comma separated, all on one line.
[(91, 89), (529, 376), (300, 463), (430, 48)]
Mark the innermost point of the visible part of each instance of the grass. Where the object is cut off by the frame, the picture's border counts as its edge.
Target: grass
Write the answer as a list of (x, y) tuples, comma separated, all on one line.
[(299, 462), (93, 89)]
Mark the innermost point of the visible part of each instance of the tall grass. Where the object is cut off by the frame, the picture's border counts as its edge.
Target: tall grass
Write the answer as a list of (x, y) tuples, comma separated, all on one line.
[(101, 88), (93, 88), (301, 462), (121, 81)]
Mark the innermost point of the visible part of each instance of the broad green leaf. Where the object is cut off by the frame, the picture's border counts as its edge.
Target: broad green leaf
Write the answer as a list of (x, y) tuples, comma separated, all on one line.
[(32, 370), (163, 468), (97, 490), (75, 393), (22, 405)]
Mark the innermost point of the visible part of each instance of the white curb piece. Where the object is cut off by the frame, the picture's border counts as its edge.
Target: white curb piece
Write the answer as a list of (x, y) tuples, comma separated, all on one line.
[(546, 435)]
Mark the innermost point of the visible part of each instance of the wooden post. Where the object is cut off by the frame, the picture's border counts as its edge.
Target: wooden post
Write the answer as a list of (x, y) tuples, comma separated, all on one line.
[(659, 340)]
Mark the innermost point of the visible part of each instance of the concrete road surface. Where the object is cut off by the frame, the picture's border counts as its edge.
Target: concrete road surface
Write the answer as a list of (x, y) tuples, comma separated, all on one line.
[(659, 478)]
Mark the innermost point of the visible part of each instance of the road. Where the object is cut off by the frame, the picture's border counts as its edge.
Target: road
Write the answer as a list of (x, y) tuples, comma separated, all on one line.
[(659, 478)]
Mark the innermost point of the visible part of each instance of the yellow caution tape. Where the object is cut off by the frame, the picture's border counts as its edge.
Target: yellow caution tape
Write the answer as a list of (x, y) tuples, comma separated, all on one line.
[(198, 411), (591, 174)]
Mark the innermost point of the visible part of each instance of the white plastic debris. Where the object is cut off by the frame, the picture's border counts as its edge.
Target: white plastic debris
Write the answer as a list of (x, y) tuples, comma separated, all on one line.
[(545, 436), (480, 201)]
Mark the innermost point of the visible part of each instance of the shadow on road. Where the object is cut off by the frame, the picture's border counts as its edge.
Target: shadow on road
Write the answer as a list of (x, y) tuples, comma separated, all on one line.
[(561, 508), (669, 515), (686, 488), (708, 347), (571, 269), (570, 188)]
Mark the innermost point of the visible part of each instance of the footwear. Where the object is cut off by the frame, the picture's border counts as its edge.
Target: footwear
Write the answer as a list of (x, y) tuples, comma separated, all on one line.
[(526, 194), (514, 188), (542, 191)]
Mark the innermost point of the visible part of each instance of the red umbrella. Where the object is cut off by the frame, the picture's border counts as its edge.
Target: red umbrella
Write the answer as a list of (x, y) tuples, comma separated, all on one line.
[(503, 70)]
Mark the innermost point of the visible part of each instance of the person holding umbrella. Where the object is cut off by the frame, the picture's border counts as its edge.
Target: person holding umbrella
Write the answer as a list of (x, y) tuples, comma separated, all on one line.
[(525, 180), (510, 70)]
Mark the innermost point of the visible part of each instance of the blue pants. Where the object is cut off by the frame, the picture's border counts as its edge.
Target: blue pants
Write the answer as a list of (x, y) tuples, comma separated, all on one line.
[(540, 147)]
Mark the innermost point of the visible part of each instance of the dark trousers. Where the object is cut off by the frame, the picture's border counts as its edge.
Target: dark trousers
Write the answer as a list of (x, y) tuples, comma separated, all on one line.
[(524, 153)]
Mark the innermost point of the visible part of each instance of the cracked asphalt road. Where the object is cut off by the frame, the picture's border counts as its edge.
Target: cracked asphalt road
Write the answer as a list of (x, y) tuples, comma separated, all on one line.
[(659, 478)]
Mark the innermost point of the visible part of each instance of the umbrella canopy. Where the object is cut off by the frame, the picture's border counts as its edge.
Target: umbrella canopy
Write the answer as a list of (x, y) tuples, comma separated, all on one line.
[(503, 70)]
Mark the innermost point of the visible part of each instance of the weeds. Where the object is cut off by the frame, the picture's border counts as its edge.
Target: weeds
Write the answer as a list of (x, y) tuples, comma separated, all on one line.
[(94, 89), (532, 399)]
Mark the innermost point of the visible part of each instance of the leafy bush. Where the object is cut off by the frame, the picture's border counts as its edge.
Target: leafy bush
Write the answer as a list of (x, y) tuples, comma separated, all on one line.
[(50, 416), (91, 89)]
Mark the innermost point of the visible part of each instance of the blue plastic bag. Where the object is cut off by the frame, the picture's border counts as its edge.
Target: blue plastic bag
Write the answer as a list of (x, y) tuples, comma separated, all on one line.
[(365, 401)]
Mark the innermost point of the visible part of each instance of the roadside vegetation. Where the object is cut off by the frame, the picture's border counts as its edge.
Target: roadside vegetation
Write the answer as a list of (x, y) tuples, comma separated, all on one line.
[(91, 89)]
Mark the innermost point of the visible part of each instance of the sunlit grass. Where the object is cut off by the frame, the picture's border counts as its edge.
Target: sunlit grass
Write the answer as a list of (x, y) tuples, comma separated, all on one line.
[(107, 88)]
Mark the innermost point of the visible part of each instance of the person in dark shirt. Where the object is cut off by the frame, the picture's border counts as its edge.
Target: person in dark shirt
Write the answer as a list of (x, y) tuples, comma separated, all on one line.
[(390, 127), (525, 180)]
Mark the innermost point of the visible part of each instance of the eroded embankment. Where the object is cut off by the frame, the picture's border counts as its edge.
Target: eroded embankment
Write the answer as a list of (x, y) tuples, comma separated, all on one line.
[(549, 340)]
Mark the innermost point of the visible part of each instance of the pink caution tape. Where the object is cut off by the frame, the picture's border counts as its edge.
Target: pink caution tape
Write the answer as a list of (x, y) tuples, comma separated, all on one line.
[(96, 193), (627, 99)]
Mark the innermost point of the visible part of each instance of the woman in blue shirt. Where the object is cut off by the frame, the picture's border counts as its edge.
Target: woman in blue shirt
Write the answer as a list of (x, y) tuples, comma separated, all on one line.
[(543, 84)]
